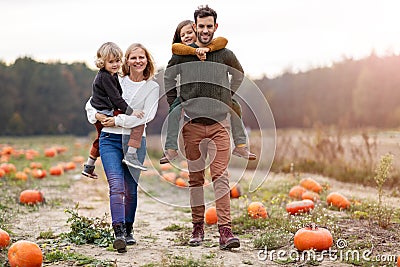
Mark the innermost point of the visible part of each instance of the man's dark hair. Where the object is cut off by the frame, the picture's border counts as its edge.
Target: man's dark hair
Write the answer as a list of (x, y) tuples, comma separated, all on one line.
[(205, 11)]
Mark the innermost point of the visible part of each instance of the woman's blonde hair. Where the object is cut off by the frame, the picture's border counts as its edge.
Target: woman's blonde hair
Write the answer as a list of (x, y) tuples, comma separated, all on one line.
[(105, 51), (150, 69)]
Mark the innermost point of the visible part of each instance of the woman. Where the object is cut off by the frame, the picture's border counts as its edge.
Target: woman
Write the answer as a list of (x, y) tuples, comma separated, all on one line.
[(141, 93)]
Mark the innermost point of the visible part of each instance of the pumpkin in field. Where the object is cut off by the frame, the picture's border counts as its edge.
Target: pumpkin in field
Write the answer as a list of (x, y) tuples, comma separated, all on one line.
[(21, 176), (235, 192), (2, 173), (302, 206), (296, 191), (8, 167), (69, 166), (180, 182), (313, 237), (56, 170), (211, 216), (50, 152), (25, 254), (166, 167), (257, 210), (310, 195), (311, 184), (35, 165), (39, 173), (4, 239), (7, 150), (31, 197), (81, 159), (398, 261), (184, 174), (338, 200)]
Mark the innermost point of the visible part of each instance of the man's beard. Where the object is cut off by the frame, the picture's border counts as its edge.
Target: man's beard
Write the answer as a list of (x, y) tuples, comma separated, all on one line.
[(201, 40)]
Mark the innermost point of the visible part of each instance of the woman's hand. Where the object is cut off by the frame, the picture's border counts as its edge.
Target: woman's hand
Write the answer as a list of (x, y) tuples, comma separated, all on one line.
[(138, 113), (100, 116), (108, 122)]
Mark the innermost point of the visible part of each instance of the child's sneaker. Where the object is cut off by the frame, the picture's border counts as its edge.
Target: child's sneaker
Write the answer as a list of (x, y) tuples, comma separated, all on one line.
[(88, 171), (169, 155), (132, 160), (244, 152)]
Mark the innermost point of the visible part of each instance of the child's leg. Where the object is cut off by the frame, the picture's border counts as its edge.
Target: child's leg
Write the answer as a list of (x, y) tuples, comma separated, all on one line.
[(171, 142), (135, 139), (174, 116), (239, 133), (88, 168)]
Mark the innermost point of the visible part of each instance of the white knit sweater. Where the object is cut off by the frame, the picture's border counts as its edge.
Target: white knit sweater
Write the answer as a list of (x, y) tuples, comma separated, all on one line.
[(140, 96)]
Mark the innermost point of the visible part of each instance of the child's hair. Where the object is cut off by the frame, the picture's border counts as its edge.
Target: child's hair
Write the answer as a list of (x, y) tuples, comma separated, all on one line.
[(150, 69), (177, 35), (105, 51)]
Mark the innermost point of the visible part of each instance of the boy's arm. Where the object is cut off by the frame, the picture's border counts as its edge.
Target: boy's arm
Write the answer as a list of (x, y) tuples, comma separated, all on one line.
[(216, 44), (112, 88)]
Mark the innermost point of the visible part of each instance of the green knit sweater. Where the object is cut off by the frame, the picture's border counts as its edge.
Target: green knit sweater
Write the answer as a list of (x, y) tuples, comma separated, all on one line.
[(205, 87)]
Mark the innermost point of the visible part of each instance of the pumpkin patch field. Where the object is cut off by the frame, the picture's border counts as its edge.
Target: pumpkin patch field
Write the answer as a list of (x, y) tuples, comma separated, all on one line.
[(51, 215)]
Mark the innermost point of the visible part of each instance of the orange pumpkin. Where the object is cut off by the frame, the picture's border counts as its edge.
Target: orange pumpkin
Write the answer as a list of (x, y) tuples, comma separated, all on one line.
[(35, 165), (69, 166), (398, 261), (301, 206), (7, 150), (56, 170), (257, 210), (311, 184), (2, 173), (166, 167), (211, 216), (235, 192), (39, 173), (297, 191), (31, 197), (310, 195), (80, 159), (25, 254), (4, 239), (8, 167), (50, 152), (180, 182), (184, 174), (338, 200), (21, 176), (312, 237)]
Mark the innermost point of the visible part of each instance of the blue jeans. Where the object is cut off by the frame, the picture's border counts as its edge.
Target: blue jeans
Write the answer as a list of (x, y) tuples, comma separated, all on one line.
[(122, 181)]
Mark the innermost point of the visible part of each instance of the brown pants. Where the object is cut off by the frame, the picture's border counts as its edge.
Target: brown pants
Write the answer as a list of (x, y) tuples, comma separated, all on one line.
[(212, 140), (135, 138)]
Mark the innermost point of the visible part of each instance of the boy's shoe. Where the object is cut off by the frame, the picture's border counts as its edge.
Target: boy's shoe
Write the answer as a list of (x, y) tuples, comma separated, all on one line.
[(169, 155), (197, 234), (244, 152), (132, 160), (226, 238), (88, 171)]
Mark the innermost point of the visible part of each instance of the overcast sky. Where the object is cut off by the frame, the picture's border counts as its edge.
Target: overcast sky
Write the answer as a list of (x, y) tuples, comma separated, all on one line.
[(268, 36)]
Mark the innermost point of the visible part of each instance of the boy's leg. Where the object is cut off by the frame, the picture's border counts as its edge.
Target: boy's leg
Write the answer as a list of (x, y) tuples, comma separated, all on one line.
[(171, 142), (239, 133), (88, 168), (131, 158)]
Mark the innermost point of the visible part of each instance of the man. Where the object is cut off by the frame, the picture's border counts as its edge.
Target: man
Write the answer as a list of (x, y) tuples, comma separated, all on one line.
[(206, 96)]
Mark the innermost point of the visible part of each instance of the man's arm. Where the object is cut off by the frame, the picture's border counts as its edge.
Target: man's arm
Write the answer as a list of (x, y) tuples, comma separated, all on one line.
[(236, 71)]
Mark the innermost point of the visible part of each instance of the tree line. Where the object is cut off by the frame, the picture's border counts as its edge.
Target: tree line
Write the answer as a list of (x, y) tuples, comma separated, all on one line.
[(49, 98)]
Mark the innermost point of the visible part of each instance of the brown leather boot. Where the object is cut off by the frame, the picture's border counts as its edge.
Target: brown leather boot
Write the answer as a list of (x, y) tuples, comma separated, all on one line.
[(244, 152), (226, 238), (197, 234)]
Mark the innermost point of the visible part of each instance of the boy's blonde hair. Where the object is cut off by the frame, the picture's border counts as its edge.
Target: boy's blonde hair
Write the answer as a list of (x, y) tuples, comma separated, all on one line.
[(150, 69), (105, 51)]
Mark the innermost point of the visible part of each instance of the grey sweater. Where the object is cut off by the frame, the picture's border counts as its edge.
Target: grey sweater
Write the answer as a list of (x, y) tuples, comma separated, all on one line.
[(205, 88)]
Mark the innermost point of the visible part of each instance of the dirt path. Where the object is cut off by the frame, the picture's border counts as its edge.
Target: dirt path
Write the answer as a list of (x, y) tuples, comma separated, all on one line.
[(155, 245)]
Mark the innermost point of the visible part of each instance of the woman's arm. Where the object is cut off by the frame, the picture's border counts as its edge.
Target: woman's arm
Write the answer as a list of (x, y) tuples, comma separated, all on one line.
[(216, 44), (150, 109)]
